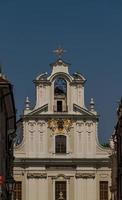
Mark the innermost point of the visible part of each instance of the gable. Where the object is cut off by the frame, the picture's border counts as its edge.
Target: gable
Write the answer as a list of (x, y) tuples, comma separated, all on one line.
[(40, 110), (82, 111)]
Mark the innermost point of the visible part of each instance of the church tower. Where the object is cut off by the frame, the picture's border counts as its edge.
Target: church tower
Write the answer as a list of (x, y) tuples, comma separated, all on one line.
[(58, 156)]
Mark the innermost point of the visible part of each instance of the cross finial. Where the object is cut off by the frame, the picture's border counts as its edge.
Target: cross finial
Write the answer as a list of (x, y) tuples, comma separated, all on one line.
[(59, 52)]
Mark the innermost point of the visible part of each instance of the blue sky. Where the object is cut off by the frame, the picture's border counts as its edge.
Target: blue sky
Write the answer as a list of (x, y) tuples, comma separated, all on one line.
[(90, 31)]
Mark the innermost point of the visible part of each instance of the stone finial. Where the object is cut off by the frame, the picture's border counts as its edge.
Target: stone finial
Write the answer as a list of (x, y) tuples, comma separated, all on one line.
[(92, 105), (27, 103)]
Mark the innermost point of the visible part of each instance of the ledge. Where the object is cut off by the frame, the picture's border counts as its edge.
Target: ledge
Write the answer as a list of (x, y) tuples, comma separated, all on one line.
[(62, 162)]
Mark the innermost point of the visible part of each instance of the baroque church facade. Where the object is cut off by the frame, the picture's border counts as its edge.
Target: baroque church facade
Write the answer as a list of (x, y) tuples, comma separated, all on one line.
[(59, 156)]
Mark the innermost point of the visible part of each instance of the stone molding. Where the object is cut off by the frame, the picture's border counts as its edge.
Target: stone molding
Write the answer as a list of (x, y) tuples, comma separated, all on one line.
[(36, 175), (85, 175), (60, 177)]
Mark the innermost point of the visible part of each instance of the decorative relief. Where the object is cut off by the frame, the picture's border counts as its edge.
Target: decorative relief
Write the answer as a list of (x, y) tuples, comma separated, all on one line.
[(36, 175), (41, 126), (89, 127), (85, 175), (79, 86), (80, 127), (103, 175), (61, 177), (31, 126), (59, 126)]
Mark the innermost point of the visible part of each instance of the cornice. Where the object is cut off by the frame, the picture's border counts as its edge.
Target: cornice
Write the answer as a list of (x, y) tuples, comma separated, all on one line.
[(36, 175), (85, 175), (61, 116), (43, 81), (67, 162)]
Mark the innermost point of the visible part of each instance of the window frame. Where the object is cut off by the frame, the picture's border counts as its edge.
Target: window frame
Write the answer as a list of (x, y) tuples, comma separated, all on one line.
[(55, 146), (103, 192), (18, 190), (61, 181)]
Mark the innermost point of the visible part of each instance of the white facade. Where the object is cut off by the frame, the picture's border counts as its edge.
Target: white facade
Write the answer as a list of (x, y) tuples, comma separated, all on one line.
[(60, 147)]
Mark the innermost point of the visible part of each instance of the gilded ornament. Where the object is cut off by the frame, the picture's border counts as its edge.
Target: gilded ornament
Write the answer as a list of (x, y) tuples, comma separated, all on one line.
[(60, 126)]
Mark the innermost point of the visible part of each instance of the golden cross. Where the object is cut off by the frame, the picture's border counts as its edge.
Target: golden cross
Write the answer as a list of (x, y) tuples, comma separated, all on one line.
[(59, 52)]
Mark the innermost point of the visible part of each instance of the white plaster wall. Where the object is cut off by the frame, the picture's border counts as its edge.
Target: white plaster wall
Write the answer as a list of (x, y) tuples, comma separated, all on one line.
[(85, 189), (91, 189), (37, 189), (32, 189), (42, 95), (68, 97), (85, 139), (43, 189), (36, 139), (78, 95), (60, 68)]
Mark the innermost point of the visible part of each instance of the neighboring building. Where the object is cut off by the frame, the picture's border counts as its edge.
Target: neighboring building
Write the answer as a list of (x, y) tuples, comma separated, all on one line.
[(118, 134), (7, 133), (59, 156), (113, 156)]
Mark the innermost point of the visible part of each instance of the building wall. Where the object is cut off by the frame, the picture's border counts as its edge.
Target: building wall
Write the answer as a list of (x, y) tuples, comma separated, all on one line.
[(85, 162)]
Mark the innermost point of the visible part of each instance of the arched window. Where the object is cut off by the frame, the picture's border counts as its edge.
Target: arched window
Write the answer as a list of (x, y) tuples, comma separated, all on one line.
[(60, 86), (60, 144), (60, 94)]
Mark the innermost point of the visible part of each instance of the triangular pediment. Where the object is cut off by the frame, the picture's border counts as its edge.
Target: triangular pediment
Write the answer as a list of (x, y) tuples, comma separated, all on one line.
[(82, 111), (40, 110), (77, 109)]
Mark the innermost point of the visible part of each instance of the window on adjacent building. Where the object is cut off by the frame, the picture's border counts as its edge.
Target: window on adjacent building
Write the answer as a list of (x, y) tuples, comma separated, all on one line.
[(18, 190), (60, 190), (60, 144), (103, 190)]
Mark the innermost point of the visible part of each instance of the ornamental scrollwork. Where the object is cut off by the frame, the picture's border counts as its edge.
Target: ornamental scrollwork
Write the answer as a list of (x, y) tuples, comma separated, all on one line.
[(85, 175), (37, 175)]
